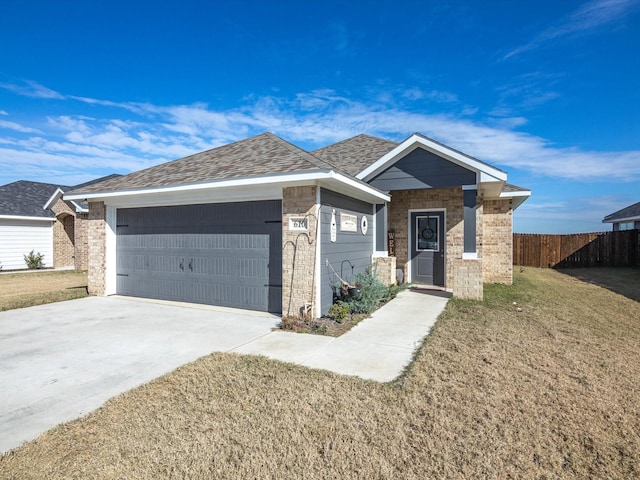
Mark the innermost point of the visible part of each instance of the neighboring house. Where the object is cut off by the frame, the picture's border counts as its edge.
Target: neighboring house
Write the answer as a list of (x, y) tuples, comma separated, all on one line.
[(265, 225), (626, 219), (33, 216)]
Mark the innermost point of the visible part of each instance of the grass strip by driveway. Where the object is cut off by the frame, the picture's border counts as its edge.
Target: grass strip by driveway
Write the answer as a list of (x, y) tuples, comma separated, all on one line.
[(18, 290), (547, 392)]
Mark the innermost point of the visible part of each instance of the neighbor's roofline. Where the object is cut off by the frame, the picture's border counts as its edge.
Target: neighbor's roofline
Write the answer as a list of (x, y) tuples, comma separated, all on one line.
[(619, 220), (53, 198), (59, 193), (437, 148), (312, 175)]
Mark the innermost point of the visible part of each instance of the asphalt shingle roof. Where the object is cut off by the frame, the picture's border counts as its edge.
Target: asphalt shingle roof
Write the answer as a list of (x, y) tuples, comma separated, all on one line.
[(510, 188), (264, 154), (355, 154), (632, 211), (27, 199)]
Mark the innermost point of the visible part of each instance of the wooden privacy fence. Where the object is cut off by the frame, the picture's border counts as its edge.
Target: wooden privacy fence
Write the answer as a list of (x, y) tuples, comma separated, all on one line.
[(603, 249)]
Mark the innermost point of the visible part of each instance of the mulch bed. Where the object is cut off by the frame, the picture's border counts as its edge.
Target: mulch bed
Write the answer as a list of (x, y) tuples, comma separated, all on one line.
[(322, 326)]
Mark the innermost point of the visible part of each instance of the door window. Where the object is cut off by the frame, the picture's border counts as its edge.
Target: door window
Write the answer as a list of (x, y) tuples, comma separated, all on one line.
[(427, 233)]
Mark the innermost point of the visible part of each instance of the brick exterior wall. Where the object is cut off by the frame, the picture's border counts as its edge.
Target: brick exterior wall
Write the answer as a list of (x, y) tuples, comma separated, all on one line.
[(299, 251), (70, 242), (386, 269), (63, 234), (467, 283), (82, 241), (464, 277), (63, 241), (404, 200), (497, 265), (96, 234)]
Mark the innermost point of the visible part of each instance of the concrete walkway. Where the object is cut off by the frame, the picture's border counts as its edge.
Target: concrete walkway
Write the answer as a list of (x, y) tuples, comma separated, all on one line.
[(60, 361), (378, 348)]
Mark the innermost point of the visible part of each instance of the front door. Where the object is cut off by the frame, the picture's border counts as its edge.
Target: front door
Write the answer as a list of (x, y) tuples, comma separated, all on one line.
[(427, 247)]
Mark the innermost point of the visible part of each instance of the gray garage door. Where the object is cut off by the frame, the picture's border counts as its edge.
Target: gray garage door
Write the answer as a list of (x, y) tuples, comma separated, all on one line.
[(219, 254)]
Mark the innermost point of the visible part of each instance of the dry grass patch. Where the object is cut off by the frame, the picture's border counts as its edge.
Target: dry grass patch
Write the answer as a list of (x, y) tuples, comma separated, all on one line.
[(622, 280), (549, 392), (18, 290)]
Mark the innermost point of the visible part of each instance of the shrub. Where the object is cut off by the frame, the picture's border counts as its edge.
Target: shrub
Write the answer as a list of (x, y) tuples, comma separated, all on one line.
[(373, 292), (33, 260), (339, 311)]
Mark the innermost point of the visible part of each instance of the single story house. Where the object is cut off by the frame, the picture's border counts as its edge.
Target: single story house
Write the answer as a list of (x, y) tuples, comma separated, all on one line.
[(263, 224), (626, 219), (33, 216)]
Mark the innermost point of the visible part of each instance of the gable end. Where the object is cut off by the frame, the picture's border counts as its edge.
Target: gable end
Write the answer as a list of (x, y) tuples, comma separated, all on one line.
[(421, 169)]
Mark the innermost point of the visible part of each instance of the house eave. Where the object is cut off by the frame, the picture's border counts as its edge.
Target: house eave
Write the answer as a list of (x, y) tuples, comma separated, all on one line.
[(27, 218), (244, 188), (518, 197)]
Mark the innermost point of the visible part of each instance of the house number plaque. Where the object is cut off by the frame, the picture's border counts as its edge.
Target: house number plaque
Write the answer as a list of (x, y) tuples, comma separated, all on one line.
[(299, 223)]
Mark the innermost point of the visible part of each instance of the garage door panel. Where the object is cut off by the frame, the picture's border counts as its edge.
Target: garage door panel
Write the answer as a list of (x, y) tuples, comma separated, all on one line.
[(201, 254)]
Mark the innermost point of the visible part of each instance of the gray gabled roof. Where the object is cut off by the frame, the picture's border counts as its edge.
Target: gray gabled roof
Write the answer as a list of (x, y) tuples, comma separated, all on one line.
[(264, 154), (630, 212), (356, 153), (96, 180), (27, 199)]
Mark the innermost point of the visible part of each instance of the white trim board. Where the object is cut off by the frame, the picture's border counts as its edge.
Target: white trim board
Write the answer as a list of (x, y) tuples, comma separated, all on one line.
[(24, 218), (330, 178)]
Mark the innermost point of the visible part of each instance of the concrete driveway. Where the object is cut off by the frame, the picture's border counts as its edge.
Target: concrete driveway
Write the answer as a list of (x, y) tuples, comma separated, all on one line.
[(60, 361)]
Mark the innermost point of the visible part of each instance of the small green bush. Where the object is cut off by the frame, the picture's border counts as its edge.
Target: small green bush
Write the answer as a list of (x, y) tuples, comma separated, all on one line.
[(373, 292), (33, 260), (339, 311)]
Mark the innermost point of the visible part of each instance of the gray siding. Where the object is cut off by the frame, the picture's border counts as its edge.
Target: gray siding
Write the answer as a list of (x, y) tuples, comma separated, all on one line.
[(421, 169), (350, 247), (220, 254), (470, 221), (381, 228)]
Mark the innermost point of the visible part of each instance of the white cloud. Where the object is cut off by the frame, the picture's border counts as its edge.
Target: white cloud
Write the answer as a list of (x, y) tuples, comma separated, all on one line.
[(128, 136), (588, 17), (17, 127), (32, 89)]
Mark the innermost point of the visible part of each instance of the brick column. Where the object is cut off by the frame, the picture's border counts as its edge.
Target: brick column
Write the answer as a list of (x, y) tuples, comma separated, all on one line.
[(467, 280), (96, 232), (386, 269), (299, 252), (497, 242), (81, 253)]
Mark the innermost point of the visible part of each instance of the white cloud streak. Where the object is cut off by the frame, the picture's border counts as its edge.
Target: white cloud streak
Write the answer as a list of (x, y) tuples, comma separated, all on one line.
[(582, 21), (17, 127), (144, 134)]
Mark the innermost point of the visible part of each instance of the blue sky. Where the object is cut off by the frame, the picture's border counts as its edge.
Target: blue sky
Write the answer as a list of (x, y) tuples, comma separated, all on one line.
[(546, 90)]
